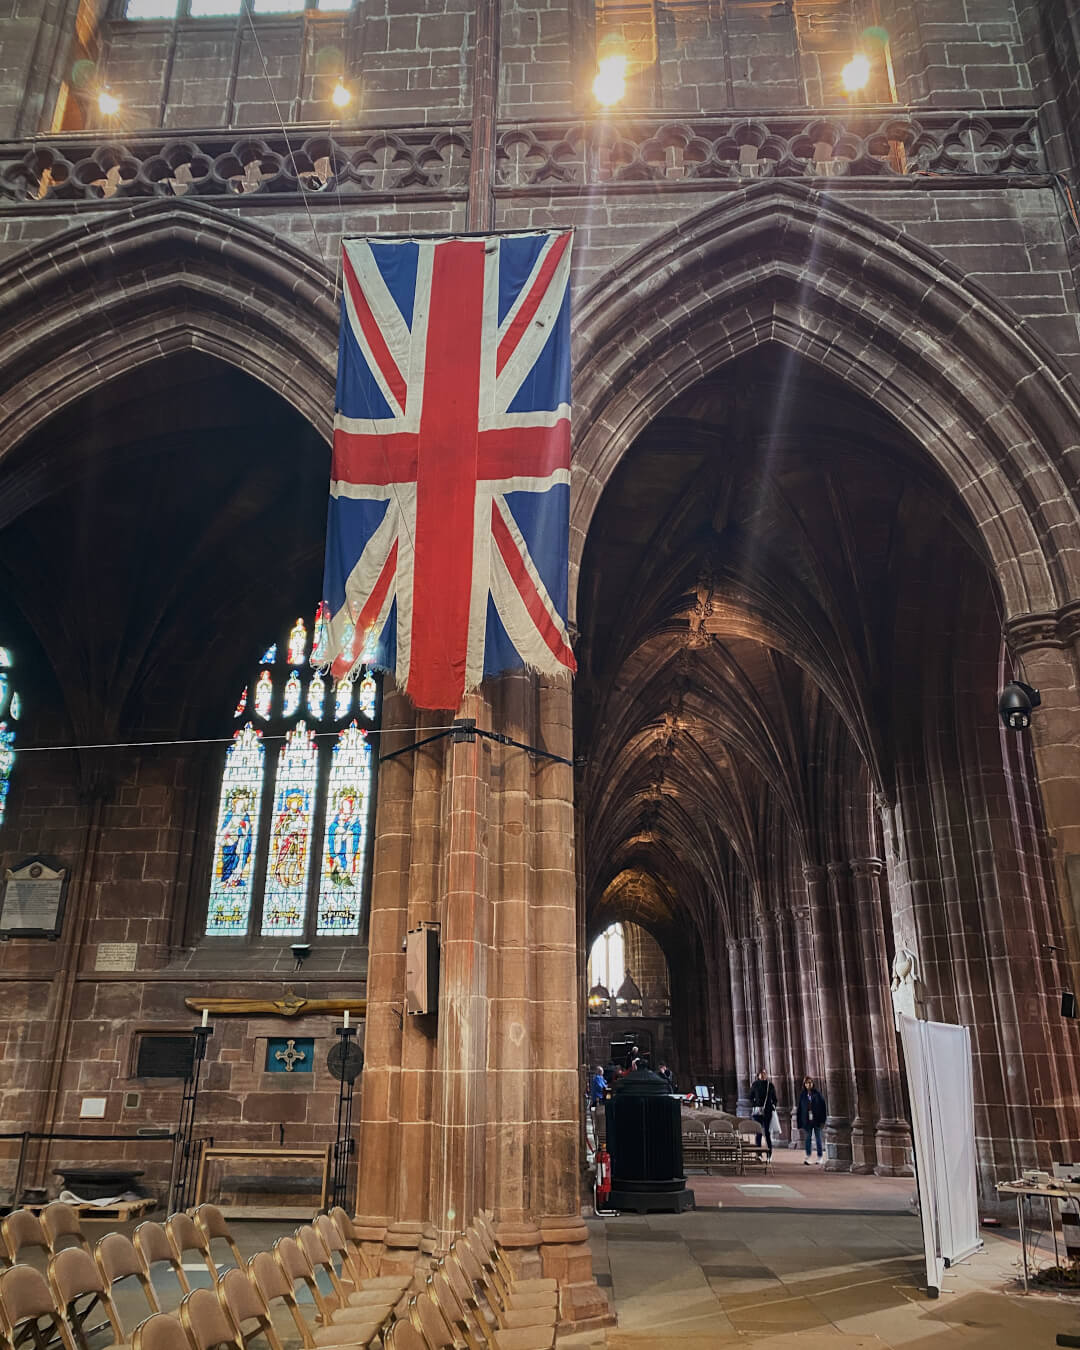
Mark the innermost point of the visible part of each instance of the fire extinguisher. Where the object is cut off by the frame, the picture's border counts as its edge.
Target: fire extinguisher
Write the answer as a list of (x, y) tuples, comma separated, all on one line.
[(603, 1178)]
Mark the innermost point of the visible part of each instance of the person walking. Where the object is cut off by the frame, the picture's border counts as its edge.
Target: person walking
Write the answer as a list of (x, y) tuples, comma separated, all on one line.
[(762, 1107), (811, 1116)]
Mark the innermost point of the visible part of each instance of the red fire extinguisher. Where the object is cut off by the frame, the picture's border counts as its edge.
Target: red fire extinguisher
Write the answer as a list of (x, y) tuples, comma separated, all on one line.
[(603, 1178)]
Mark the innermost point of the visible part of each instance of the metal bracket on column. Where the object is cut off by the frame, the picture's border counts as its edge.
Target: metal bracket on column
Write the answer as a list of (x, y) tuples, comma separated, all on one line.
[(465, 729)]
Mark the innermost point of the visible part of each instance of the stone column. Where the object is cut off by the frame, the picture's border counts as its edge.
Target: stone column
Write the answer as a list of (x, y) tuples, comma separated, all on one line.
[(828, 975), (892, 1134), (809, 1012), (792, 1000), (773, 1037), (852, 983), (738, 1024)]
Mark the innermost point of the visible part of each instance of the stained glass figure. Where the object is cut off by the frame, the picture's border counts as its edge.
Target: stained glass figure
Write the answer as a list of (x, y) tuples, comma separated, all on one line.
[(241, 703), (368, 691), (342, 698), (16, 707), (269, 656), (297, 643), (264, 693), (7, 763), (237, 834), (292, 695), (316, 696), (5, 657), (320, 645), (348, 643), (287, 866), (341, 885), (3, 690)]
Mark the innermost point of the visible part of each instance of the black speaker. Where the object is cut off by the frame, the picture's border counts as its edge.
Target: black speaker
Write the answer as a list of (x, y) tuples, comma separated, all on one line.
[(1068, 1003)]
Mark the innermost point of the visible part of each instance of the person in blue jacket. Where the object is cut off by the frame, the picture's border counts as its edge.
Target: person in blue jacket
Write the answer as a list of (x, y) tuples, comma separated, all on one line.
[(812, 1113), (597, 1087)]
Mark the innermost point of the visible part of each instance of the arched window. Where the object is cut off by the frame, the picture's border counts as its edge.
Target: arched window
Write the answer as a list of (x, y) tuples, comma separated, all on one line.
[(10, 711), (296, 807), (607, 959)]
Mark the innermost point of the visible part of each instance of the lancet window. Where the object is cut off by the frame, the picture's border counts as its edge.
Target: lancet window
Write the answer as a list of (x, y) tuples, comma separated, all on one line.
[(10, 712), (292, 846)]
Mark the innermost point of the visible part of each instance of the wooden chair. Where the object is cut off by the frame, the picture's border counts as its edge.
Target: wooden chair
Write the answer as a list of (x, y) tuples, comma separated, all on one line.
[(404, 1336), (22, 1232), (243, 1303), (483, 1238), (352, 1269), (320, 1259), (75, 1278), (207, 1323), (269, 1279), (154, 1248), (118, 1260), (502, 1307), (450, 1284), (61, 1225), (211, 1223), (160, 1331), (511, 1295), (186, 1237), (466, 1332), (439, 1331), (27, 1309)]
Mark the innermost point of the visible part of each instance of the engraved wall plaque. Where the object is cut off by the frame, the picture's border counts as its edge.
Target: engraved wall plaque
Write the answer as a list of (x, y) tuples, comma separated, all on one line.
[(33, 901), (116, 956)]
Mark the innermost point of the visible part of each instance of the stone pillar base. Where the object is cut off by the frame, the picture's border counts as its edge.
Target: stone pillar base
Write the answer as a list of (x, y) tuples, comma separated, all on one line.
[(837, 1145), (863, 1156), (559, 1250), (893, 1141)]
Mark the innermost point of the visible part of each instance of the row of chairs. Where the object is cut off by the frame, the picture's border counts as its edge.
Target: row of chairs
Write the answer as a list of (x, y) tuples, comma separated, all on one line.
[(471, 1301)]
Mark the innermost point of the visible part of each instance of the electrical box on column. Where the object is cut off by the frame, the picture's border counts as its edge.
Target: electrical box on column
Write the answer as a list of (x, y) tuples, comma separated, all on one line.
[(422, 970)]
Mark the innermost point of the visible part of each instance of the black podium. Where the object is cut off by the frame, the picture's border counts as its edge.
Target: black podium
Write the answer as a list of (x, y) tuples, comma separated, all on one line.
[(644, 1138)]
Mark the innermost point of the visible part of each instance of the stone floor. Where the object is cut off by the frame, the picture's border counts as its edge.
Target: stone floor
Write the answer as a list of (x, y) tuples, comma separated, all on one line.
[(828, 1260)]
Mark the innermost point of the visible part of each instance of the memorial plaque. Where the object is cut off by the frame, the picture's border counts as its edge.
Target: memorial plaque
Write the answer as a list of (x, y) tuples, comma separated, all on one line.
[(116, 956), (33, 903), (163, 1056)]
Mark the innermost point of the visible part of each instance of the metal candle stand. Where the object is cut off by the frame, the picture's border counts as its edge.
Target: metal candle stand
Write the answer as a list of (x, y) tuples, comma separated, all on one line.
[(343, 1144), (186, 1170)]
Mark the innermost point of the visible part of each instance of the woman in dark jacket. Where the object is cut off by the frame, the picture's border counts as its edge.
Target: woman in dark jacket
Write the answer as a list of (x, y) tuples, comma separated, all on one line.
[(811, 1116), (762, 1106)]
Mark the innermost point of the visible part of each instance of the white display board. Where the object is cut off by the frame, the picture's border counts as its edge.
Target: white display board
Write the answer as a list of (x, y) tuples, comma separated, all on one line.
[(938, 1062)]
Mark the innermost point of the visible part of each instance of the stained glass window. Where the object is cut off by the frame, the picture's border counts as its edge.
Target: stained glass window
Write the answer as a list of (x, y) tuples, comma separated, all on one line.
[(237, 834), (264, 695), (10, 703), (316, 696), (16, 707), (297, 643), (290, 852), (341, 888), (292, 695), (7, 763), (320, 646), (5, 656), (3, 690), (290, 839)]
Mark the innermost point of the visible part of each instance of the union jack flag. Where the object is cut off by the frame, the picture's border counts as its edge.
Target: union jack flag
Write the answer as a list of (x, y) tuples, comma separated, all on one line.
[(448, 533)]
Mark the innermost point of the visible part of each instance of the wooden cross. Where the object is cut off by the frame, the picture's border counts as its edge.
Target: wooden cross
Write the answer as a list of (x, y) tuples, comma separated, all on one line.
[(290, 1055)]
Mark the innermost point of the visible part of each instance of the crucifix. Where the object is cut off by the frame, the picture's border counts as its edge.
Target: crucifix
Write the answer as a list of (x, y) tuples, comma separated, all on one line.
[(290, 1055)]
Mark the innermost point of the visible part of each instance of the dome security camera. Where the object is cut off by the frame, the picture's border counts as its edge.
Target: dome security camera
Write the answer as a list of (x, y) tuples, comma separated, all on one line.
[(1015, 705)]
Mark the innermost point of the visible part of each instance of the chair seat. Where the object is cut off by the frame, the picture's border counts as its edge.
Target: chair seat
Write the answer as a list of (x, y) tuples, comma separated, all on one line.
[(528, 1317), (537, 1286), (386, 1282), (347, 1333), (524, 1338), (364, 1312), (370, 1298)]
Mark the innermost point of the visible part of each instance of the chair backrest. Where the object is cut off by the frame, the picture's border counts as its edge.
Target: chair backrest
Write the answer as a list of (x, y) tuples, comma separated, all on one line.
[(427, 1317), (334, 1242), (204, 1318), (361, 1262), (22, 1230), (25, 1303), (160, 1331), (61, 1224), (118, 1260), (186, 1236), (243, 1303), (211, 1223), (297, 1269), (74, 1274), (447, 1297), (153, 1246), (273, 1285), (319, 1258), (403, 1335)]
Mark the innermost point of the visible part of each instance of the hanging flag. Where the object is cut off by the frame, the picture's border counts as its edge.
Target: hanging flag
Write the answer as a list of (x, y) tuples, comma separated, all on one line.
[(448, 533)]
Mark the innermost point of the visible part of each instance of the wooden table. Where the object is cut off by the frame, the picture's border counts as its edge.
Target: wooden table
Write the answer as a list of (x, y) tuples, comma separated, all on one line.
[(1042, 1190)]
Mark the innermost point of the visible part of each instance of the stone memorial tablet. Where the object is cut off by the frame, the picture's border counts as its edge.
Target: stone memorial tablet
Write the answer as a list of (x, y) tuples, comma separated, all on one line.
[(116, 956), (33, 900)]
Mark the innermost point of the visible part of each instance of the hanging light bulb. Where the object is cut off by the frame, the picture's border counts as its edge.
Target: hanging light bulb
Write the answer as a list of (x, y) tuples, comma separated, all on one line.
[(609, 87), (856, 73), (340, 98), (108, 103)]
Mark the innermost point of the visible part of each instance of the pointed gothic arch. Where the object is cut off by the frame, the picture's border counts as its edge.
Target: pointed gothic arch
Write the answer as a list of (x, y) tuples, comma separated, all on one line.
[(975, 386), (90, 304)]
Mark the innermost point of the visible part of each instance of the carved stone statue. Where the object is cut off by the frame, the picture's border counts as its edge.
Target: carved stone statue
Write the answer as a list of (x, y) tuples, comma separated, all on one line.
[(905, 981)]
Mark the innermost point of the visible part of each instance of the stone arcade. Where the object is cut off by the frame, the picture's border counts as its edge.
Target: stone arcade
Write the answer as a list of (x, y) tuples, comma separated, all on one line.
[(825, 503)]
